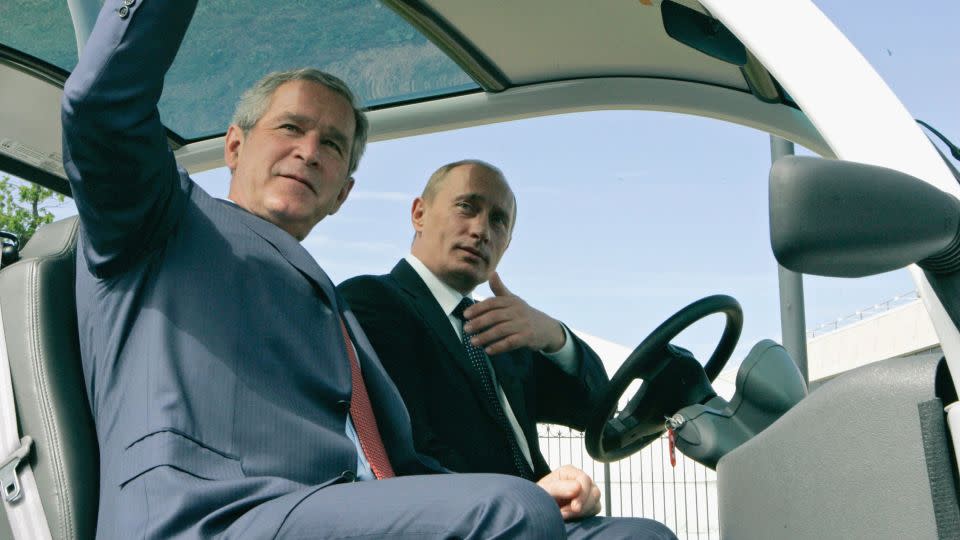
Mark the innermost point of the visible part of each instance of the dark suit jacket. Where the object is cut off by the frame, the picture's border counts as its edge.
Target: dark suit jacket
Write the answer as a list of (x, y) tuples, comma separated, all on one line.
[(211, 345), (451, 420)]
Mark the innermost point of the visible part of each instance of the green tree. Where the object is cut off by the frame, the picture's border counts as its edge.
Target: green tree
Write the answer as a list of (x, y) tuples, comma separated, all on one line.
[(24, 207)]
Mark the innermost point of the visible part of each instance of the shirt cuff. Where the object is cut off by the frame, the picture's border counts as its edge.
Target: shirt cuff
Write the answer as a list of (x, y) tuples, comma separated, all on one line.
[(566, 358)]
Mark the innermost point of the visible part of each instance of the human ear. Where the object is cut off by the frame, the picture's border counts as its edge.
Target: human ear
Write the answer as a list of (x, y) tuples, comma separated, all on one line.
[(342, 196), (233, 141), (416, 214)]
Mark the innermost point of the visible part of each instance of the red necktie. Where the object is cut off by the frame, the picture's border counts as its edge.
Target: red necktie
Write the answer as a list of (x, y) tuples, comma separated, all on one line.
[(364, 421)]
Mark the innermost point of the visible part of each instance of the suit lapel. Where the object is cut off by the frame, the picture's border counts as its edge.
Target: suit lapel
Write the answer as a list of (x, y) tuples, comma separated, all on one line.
[(430, 312), (428, 308), (388, 404), (291, 250)]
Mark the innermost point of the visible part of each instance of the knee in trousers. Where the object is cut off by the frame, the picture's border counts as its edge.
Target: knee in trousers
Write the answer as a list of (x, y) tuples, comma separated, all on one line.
[(528, 508)]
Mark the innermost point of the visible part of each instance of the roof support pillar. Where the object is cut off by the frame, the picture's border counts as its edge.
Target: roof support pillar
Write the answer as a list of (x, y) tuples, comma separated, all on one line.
[(792, 314), (84, 15)]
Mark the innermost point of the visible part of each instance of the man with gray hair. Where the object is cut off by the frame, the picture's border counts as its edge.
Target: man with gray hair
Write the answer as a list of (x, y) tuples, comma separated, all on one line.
[(234, 394)]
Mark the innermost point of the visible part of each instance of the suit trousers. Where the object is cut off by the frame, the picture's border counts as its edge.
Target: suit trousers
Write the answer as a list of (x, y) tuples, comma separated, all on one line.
[(425, 507), (451, 506)]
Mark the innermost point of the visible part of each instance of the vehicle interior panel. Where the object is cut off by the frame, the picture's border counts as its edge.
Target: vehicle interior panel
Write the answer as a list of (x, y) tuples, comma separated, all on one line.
[(818, 463)]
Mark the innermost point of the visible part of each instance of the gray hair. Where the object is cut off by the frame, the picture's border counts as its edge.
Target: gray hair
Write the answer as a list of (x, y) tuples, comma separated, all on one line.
[(253, 103)]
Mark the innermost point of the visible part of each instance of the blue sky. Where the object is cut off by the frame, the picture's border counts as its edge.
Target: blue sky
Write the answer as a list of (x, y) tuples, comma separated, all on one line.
[(624, 217)]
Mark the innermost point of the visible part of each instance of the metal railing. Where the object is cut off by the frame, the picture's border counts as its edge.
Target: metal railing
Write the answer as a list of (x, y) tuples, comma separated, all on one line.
[(865, 313), (644, 485)]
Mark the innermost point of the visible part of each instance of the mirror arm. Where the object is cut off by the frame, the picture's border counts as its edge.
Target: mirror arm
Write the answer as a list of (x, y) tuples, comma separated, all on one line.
[(945, 262)]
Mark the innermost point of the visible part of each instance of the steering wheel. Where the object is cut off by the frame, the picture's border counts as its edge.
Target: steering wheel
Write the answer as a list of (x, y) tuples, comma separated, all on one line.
[(672, 380)]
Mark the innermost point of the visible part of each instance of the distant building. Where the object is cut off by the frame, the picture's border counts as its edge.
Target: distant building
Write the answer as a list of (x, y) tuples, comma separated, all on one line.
[(897, 328)]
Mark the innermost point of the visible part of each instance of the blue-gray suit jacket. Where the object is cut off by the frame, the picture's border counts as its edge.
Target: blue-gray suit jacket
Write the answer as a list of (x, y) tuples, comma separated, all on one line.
[(212, 351)]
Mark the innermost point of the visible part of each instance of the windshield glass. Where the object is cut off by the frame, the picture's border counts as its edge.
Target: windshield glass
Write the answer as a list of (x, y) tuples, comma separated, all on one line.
[(232, 44)]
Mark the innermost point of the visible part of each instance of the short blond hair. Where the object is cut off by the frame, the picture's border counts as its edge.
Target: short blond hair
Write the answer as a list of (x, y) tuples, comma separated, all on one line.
[(436, 179)]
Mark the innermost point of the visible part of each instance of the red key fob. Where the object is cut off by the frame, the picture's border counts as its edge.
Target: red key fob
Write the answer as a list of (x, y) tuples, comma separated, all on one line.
[(672, 438)]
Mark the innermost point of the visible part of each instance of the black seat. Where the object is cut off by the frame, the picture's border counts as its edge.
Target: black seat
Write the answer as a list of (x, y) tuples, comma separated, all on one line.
[(40, 324)]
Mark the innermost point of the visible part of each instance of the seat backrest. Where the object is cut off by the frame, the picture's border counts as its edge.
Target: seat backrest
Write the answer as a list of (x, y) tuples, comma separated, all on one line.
[(40, 324)]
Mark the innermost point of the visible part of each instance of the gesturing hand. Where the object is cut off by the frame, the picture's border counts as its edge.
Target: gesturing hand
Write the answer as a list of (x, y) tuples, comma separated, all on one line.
[(505, 323), (574, 491)]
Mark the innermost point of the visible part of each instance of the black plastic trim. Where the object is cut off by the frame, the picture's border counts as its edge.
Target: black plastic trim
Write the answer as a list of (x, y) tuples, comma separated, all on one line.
[(946, 261), (35, 175), (702, 32), (938, 458), (367, 109)]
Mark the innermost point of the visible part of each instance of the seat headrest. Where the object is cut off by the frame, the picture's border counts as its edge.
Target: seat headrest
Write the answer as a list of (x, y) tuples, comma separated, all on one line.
[(59, 237)]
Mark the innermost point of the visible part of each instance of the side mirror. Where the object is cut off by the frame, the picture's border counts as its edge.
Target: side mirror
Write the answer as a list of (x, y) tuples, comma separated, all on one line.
[(846, 219)]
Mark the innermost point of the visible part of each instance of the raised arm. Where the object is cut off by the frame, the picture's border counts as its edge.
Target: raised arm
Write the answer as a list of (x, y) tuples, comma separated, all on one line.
[(124, 178)]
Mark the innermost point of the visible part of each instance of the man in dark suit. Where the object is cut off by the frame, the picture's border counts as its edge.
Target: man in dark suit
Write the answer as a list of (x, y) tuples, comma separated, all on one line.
[(408, 317), (540, 372), (234, 395)]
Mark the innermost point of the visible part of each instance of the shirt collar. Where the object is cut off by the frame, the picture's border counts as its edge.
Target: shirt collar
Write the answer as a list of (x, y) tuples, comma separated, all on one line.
[(445, 295)]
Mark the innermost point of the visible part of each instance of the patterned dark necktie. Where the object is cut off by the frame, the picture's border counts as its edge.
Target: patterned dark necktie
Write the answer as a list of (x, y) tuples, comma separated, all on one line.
[(478, 359), (364, 422)]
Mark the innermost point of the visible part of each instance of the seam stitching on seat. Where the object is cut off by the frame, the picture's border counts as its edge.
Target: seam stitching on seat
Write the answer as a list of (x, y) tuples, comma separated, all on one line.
[(68, 251), (68, 248), (43, 394)]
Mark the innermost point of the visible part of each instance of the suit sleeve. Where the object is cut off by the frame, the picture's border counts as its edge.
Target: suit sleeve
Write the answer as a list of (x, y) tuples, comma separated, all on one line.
[(397, 339), (125, 182), (567, 399)]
